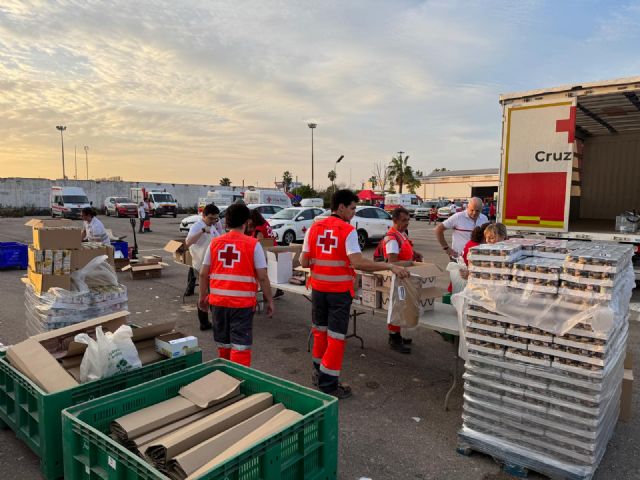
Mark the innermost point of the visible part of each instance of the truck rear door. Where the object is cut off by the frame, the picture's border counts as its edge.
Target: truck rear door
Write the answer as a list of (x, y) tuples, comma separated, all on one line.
[(537, 159)]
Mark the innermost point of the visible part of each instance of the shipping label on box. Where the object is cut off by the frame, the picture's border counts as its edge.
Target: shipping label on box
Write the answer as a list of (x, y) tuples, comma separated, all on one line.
[(176, 344), (279, 266)]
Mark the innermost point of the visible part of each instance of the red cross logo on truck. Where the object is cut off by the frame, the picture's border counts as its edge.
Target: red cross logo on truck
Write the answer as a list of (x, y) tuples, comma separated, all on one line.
[(568, 125), (327, 241), (229, 256)]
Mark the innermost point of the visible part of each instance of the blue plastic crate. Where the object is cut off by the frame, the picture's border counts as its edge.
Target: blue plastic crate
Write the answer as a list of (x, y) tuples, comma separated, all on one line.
[(13, 255), (122, 247)]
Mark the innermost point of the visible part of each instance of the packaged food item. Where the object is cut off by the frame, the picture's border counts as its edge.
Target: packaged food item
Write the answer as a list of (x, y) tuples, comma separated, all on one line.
[(47, 266)]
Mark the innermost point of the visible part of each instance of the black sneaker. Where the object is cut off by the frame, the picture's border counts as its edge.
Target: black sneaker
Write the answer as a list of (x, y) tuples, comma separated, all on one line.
[(341, 392), (396, 343), (278, 293), (407, 341), (206, 326), (314, 377)]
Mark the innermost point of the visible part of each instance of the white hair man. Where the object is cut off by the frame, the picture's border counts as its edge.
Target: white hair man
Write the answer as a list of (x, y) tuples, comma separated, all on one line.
[(462, 223)]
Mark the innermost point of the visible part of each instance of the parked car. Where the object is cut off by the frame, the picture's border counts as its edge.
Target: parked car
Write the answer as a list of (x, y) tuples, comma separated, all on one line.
[(291, 224), (186, 223), (120, 207), (422, 212), (267, 210), (446, 211), (372, 223)]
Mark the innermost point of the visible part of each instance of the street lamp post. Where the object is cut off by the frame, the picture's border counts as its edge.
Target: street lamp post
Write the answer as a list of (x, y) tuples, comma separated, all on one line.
[(62, 128), (86, 158), (335, 171), (312, 126)]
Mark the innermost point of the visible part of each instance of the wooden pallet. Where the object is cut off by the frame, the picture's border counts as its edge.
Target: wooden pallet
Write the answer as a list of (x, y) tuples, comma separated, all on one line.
[(514, 463)]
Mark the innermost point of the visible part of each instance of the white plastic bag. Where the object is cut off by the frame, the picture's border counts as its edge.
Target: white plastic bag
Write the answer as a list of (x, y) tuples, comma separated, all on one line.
[(107, 355), (457, 282), (96, 273)]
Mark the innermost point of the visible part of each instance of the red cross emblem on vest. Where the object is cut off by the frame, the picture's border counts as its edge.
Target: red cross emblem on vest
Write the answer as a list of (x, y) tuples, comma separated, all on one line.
[(229, 256), (327, 241)]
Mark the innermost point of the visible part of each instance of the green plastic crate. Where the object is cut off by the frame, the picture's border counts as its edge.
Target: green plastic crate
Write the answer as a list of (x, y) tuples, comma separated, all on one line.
[(306, 450), (35, 416)]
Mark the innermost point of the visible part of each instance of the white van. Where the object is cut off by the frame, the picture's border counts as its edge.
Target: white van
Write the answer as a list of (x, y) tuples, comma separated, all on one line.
[(67, 201), (410, 201), (160, 202), (220, 198), (271, 197), (312, 202)]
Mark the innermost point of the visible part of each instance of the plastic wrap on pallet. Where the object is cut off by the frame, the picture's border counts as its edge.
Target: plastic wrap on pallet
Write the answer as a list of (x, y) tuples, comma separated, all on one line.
[(60, 308)]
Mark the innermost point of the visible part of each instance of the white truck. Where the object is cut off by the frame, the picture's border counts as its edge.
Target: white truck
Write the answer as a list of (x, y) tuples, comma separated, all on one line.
[(220, 198), (269, 197), (67, 201), (160, 202), (569, 161), (410, 201)]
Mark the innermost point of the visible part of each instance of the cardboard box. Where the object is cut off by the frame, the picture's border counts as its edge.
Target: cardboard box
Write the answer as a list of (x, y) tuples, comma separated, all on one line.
[(176, 344), (55, 234), (295, 249), (626, 399), (87, 252), (370, 299), (178, 248), (384, 299), (36, 356), (142, 271), (369, 281), (43, 282), (279, 266), (120, 263)]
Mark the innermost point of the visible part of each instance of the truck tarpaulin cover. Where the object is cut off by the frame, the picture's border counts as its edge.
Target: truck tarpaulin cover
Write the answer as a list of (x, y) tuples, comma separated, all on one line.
[(538, 159)]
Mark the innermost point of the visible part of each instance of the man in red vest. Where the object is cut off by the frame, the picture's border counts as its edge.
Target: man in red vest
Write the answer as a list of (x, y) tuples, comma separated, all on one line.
[(331, 251), (231, 270), (396, 247)]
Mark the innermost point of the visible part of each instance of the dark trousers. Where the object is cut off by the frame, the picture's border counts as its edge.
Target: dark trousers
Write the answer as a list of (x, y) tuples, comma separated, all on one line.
[(330, 318), (233, 333), (192, 280), (140, 229)]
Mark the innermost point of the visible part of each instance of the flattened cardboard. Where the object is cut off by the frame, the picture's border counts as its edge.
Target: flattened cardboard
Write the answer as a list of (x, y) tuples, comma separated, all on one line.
[(143, 442), (149, 355), (81, 257), (181, 440), (186, 463), (211, 389), (151, 331), (151, 418), (279, 266), (43, 282), (34, 361), (281, 421), (628, 361), (626, 399)]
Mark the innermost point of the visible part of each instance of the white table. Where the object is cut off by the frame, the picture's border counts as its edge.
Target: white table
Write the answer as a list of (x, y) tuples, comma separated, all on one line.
[(443, 318)]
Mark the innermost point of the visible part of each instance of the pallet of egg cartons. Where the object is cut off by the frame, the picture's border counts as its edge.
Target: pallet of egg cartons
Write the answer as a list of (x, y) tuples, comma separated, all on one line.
[(59, 308), (540, 400)]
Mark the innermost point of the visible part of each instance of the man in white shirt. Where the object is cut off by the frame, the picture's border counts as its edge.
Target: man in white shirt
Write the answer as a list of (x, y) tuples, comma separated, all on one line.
[(141, 216), (198, 240), (94, 230), (462, 224)]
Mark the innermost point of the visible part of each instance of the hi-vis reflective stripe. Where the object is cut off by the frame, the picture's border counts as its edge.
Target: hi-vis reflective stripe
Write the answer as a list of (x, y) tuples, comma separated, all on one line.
[(336, 335), (319, 327), (232, 278), (328, 371), (232, 293), (332, 278), (328, 263), (223, 345), (235, 346)]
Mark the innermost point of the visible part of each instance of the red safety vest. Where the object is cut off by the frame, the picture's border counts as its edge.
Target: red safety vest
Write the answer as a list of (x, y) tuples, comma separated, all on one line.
[(232, 276), (406, 245), (328, 260)]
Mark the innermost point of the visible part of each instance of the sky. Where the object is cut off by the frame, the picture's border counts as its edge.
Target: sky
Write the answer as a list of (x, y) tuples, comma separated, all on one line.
[(193, 91)]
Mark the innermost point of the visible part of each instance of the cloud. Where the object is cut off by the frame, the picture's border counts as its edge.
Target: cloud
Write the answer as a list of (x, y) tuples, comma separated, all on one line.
[(196, 90)]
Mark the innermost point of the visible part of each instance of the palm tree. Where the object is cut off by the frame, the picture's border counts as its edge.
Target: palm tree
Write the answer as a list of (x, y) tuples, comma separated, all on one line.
[(374, 181), (225, 182), (332, 177), (400, 171), (287, 180)]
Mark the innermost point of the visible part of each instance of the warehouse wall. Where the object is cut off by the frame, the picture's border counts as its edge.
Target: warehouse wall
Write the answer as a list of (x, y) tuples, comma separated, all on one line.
[(19, 192), (451, 190)]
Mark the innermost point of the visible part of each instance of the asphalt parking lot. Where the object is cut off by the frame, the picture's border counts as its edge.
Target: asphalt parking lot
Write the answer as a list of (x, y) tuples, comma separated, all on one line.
[(394, 427)]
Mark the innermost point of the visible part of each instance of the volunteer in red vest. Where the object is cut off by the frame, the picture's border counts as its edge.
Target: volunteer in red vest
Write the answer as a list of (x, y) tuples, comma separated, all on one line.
[(331, 251), (396, 247), (232, 269)]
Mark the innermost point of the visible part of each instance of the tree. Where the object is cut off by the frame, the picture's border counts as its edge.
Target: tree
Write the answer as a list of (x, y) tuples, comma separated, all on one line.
[(400, 171), (225, 182), (287, 180), (373, 180), (381, 173), (305, 191), (332, 176)]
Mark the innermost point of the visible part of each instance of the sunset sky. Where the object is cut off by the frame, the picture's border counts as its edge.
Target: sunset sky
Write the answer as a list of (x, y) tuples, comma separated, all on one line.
[(192, 91)]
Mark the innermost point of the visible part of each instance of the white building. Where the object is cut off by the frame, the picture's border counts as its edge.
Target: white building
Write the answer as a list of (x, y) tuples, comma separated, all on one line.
[(453, 184)]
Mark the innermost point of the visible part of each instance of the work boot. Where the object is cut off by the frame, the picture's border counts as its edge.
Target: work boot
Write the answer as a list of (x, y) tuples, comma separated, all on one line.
[(314, 377), (341, 392), (396, 343), (205, 326)]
